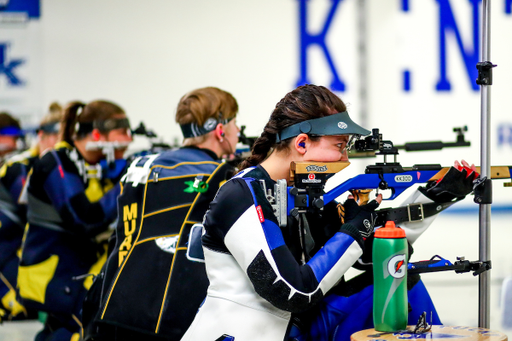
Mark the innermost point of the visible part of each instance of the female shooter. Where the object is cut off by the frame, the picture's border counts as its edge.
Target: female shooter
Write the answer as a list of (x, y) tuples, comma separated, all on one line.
[(259, 274), (72, 199), (150, 288)]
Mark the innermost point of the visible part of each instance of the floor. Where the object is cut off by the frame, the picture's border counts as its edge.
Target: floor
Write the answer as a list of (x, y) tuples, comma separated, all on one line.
[(19, 331)]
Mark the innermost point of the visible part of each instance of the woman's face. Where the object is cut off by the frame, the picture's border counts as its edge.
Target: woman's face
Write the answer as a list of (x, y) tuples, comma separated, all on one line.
[(47, 140), (119, 135), (7, 144), (231, 134), (327, 149)]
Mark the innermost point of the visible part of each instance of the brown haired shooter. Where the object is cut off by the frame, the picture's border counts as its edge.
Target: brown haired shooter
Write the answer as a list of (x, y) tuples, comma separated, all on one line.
[(272, 282), (259, 273), (149, 289)]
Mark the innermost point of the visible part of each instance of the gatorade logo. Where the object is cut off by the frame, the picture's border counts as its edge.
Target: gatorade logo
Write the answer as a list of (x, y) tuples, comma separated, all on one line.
[(396, 266)]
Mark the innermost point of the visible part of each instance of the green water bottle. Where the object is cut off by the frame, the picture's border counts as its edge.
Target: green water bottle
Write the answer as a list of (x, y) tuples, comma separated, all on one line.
[(390, 255)]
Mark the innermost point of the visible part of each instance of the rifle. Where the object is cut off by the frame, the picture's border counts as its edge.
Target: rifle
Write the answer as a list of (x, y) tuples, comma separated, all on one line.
[(156, 145), (306, 194)]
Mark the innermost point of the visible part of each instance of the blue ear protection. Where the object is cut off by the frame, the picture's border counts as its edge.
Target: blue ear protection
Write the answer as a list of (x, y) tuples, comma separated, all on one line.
[(302, 144)]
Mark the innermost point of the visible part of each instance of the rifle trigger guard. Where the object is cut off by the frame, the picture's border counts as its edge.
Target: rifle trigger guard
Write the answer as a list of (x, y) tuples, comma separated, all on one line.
[(382, 184)]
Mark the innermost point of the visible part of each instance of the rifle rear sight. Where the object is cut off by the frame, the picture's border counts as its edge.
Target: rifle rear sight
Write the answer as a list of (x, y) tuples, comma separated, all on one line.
[(375, 143)]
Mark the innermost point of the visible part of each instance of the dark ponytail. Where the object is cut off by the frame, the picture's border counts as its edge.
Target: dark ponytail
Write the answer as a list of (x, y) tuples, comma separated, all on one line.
[(260, 150), (67, 128), (304, 103)]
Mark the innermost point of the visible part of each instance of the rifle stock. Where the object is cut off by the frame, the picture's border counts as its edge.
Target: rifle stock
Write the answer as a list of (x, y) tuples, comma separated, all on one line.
[(398, 182), (310, 179), (308, 182)]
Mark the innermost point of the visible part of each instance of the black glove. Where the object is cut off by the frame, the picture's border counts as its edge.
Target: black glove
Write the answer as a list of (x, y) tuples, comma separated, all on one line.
[(361, 217), (456, 184)]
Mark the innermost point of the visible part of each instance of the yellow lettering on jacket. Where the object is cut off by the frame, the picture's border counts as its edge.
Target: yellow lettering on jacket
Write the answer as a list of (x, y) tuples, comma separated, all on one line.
[(126, 244), (130, 223), (130, 213), (127, 230)]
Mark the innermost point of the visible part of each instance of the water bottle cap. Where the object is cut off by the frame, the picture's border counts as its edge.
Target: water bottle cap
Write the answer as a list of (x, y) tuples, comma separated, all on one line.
[(390, 231)]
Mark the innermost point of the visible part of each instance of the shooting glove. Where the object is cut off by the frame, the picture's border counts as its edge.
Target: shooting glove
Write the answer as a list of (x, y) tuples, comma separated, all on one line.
[(456, 184), (361, 217)]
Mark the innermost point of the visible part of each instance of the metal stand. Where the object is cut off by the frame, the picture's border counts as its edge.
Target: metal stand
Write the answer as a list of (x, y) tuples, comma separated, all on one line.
[(483, 194)]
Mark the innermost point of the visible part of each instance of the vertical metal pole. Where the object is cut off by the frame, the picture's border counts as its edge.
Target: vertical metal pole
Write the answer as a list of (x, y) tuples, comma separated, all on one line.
[(363, 61), (485, 209)]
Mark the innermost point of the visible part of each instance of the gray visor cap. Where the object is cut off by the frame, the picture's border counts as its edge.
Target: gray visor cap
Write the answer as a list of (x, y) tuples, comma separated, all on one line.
[(337, 124)]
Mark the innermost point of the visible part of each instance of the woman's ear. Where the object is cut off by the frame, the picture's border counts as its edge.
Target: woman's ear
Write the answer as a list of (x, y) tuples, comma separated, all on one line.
[(300, 143), (219, 132)]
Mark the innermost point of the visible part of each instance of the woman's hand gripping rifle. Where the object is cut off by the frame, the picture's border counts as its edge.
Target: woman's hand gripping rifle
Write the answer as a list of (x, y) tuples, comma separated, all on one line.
[(360, 213)]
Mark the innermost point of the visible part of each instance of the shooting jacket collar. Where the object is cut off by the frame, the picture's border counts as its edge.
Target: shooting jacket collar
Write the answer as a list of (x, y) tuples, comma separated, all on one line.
[(207, 151), (337, 124)]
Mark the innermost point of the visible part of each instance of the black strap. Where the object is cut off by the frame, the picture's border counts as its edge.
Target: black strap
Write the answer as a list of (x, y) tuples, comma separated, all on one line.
[(411, 213), (308, 243)]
